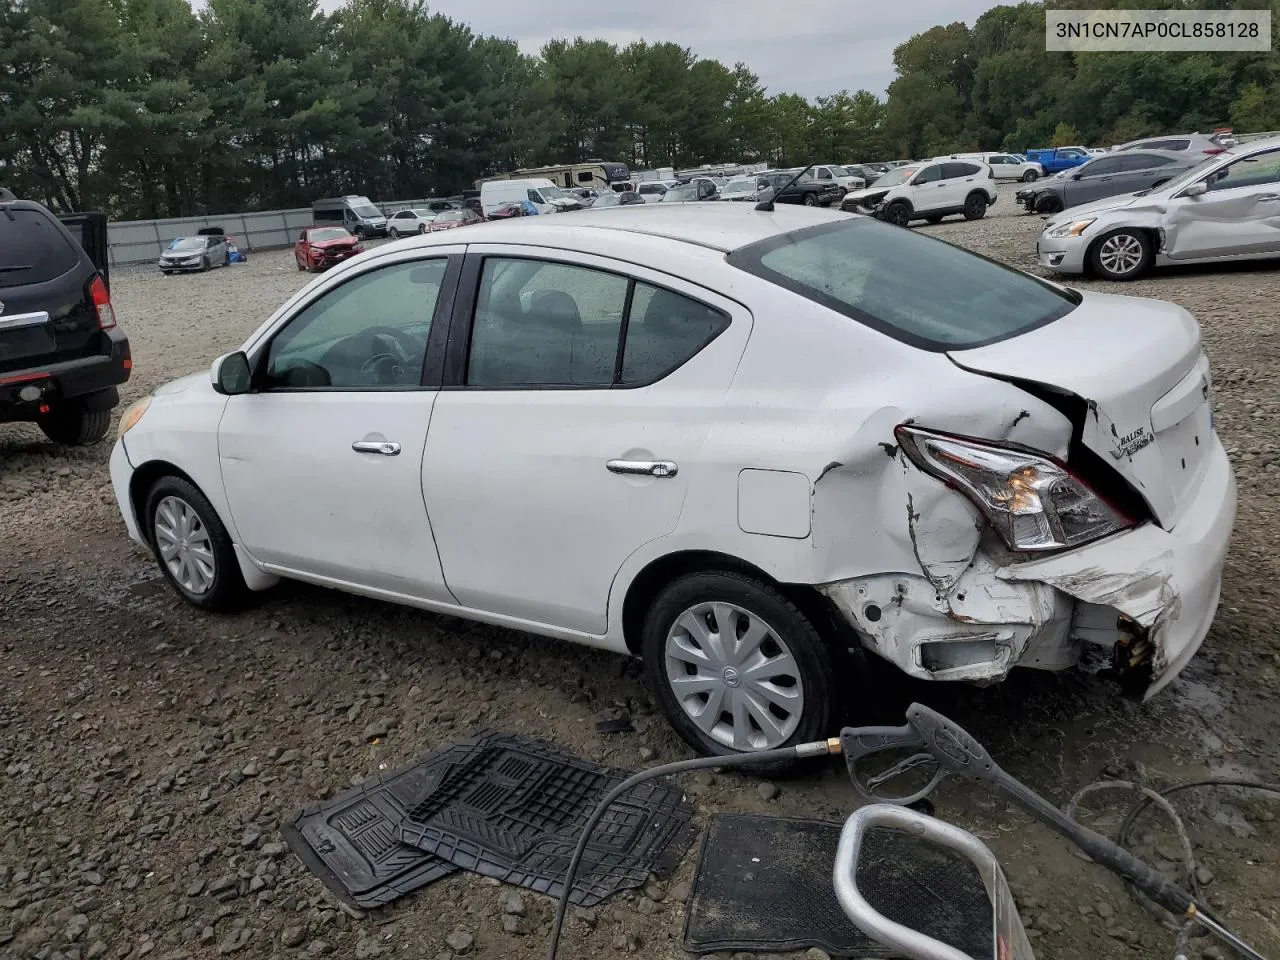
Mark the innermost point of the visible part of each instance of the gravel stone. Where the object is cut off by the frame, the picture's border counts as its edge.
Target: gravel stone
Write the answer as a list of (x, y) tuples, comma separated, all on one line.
[(510, 901), (767, 791), (460, 941)]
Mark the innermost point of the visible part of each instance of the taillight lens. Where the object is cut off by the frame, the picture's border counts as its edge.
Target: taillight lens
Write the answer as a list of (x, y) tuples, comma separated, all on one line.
[(1032, 502), (102, 303)]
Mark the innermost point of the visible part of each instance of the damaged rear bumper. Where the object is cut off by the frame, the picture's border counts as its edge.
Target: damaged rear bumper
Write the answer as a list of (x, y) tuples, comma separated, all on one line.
[(1140, 601)]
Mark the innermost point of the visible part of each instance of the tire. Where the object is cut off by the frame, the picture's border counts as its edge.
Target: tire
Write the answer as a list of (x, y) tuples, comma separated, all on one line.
[(422, 228), (975, 206), (205, 265), (810, 199), (224, 589), (898, 213), (1030, 176), (360, 234), (74, 426), (1123, 254), (167, 273), (393, 233), (302, 268), (1048, 203), (934, 218), (809, 671)]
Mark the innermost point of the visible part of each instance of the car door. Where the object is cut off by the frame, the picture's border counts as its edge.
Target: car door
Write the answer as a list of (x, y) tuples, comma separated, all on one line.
[(321, 462), (553, 454), (1239, 215), (959, 177), (1091, 182), (928, 190)]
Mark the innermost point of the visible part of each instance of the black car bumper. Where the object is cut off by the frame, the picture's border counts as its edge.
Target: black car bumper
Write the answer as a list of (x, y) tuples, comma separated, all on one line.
[(92, 379)]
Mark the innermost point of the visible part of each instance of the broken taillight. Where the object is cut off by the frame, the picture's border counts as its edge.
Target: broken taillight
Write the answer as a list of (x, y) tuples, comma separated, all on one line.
[(102, 303)]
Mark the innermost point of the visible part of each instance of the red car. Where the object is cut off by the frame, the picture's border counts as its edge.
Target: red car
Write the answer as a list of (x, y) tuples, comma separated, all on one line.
[(449, 219), (321, 247)]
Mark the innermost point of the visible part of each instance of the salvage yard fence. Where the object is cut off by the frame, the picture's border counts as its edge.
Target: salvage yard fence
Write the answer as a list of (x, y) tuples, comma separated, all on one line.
[(141, 241)]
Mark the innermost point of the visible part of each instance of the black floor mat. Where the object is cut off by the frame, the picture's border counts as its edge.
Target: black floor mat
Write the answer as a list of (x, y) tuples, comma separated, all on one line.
[(763, 884), (353, 844), (513, 808)]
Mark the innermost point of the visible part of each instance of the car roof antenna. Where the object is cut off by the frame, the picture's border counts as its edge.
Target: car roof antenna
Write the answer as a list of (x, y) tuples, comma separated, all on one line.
[(767, 205)]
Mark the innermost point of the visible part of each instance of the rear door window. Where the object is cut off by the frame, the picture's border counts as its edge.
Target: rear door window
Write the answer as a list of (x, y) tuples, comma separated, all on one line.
[(33, 249), (954, 171), (912, 287)]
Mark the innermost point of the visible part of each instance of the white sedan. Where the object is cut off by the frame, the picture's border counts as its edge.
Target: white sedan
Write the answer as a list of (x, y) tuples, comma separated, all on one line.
[(404, 222), (750, 447)]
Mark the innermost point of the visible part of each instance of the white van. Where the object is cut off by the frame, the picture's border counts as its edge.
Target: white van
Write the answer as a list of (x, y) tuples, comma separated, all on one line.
[(544, 194)]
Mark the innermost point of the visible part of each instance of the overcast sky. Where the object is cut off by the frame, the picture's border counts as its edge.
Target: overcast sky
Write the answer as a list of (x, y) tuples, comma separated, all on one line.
[(810, 47)]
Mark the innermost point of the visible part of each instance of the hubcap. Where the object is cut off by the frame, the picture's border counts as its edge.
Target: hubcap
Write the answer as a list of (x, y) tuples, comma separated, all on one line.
[(734, 677), (1121, 253), (184, 545)]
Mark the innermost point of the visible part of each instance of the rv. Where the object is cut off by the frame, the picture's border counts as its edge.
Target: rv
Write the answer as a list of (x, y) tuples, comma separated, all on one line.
[(593, 174)]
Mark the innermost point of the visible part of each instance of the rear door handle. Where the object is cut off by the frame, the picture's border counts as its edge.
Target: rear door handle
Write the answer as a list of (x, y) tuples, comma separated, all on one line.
[(384, 447), (643, 468)]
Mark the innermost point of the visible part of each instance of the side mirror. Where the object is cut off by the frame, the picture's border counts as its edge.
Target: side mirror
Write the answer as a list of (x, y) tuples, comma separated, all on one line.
[(231, 374), (1197, 189), (1077, 176)]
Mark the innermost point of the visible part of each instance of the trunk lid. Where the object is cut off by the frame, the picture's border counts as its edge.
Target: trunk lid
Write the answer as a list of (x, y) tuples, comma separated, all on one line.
[(1141, 369)]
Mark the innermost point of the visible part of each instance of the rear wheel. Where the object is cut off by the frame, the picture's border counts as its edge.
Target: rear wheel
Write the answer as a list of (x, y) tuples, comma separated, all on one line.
[(192, 546), (1030, 176), (975, 206), (1123, 254), (736, 666), (1049, 204), (72, 425)]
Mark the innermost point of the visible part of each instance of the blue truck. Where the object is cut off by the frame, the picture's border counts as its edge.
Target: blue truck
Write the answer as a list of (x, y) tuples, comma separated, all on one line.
[(1055, 160)]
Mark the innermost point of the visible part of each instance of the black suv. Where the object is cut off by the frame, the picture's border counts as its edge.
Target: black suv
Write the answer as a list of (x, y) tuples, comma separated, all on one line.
[(62, 354)]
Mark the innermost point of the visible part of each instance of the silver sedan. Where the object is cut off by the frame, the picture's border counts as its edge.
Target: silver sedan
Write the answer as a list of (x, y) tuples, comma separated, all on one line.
[(1227, 207)]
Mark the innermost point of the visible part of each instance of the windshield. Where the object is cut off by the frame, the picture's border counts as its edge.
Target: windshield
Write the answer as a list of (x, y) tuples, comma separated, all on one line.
[(841, 171), (738, 186), (895, 176), (608, 200), (365, 209), (553, 193), (423, 214), (945, 297), (680, 193), (327, 233), (448, 216), (1190, 176), (187, 244)]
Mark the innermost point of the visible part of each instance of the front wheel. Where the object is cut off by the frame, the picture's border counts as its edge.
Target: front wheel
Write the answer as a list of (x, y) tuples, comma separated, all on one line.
[(1048, 203), (810, 199), (897, 213), (1030, 176), (1123, 254), (736, 666), (192, 546), (422, 228), (393, 233), (975, 206), (205, 265), (74, 426)]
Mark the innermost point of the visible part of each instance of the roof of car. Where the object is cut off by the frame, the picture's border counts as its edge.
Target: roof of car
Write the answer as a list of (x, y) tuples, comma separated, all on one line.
[(725, 227)]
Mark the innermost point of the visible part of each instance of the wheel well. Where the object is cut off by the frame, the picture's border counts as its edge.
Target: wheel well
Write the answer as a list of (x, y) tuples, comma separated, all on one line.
[(652, 579), (140, 484), (979, 192)]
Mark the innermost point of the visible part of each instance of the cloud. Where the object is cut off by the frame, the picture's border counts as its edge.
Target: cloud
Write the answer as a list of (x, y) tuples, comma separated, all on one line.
[(813, 47)]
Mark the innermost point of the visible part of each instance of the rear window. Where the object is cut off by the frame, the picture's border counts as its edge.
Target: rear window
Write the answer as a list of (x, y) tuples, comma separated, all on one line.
[(913, 287), (33, 248)]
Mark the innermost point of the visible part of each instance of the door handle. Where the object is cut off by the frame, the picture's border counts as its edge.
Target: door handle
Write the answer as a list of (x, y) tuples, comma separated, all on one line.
[(384, 447), (643, 468), (1269, 198)]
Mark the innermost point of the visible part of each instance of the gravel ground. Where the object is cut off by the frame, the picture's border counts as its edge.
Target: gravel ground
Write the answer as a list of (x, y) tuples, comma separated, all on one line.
[(150, 751)]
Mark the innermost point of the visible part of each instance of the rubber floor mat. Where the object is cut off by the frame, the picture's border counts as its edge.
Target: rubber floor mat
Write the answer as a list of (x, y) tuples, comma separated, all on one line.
[(763, 884), (352, 843), (512, 809)]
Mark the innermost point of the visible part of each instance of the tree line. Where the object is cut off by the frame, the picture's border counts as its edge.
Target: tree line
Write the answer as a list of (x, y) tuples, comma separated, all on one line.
[(144, 108)]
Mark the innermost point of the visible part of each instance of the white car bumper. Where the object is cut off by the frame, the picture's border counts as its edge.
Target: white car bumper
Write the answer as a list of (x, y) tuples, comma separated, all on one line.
[(121, 474), (1144, 599)]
